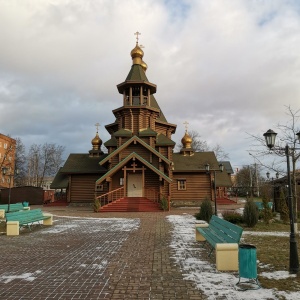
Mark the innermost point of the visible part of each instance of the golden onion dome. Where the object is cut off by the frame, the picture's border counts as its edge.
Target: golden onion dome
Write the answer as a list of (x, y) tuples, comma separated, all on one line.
[(186, 141), (144, 66), (137, 52), (96, 142)]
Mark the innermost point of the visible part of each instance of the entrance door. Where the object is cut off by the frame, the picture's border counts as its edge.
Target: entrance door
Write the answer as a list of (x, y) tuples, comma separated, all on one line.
[(135, 185)]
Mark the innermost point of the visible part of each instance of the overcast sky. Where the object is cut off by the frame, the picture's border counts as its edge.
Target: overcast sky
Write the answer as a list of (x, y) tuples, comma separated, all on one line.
[(228, 67)]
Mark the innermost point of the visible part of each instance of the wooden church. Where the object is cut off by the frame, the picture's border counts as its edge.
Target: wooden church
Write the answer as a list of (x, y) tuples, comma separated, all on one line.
[(140, 169)]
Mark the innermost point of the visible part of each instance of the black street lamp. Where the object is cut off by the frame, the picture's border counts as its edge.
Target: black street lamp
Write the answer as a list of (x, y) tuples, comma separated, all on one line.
[(10, 175), (270, 137), (273, 185), (208, 169)]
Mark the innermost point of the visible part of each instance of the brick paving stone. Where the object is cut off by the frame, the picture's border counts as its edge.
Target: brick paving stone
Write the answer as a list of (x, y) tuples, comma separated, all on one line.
[(94, 256)]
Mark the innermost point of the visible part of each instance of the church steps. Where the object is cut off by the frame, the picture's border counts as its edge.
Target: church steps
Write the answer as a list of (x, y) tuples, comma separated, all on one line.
[(131, 204)]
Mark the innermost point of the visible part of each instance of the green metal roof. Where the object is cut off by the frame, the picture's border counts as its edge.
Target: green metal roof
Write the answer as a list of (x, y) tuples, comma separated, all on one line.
[(136, 73), (147, 132), (111, 143), (162, 140), (123, 132)]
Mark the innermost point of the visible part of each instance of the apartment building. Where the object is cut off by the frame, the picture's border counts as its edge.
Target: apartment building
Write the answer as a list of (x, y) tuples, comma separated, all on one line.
[(7, 160)]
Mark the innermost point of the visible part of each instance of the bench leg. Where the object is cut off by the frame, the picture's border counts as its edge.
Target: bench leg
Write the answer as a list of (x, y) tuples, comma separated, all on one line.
[(12, 228), (227, 257), (48, 221)]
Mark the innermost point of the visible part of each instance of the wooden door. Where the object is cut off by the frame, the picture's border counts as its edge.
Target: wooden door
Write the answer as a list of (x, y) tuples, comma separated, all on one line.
[(135, 185)]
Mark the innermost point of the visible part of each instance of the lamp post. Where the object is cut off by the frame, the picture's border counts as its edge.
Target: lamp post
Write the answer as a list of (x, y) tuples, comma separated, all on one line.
[(273, 184), (10, 175), (270, 137), (208, 169)]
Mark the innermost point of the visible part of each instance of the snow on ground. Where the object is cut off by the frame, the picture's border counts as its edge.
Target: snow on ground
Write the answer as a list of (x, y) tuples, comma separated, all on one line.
[(107, 224), (286, 234), (214, 284), (24, 276)]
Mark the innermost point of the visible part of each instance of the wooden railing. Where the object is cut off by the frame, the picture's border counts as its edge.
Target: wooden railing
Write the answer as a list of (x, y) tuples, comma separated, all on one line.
[(111, 196), (152, 195)]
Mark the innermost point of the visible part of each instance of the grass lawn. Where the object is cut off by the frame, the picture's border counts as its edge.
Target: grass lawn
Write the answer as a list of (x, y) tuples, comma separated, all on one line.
[(273, 255)]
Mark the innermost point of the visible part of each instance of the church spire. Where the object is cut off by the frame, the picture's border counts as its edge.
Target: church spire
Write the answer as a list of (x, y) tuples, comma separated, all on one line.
[(137, 53), (186, 142), (96, 144)]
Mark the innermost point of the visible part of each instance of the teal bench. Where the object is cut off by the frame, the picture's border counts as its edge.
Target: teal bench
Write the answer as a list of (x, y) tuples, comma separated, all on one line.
[(15, 220), (260, 205), (12, 208), (224, 237)]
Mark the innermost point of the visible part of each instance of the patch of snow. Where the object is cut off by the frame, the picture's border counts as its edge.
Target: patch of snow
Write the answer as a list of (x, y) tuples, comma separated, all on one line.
[(192, 259), (240, 210), (277, 275), (267, 233), (102, 224), (59, 228), (24, 276)]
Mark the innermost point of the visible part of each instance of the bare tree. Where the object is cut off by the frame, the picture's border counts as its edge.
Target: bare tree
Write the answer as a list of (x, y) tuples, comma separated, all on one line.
[(20, 163), (43, 160), (249, 180), (286, 135), (200, 145), (220, 152)]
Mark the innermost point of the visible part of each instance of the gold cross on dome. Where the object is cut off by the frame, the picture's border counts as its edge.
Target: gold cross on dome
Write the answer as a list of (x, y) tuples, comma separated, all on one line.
[(137, 37), (97, 126), (186, 125)]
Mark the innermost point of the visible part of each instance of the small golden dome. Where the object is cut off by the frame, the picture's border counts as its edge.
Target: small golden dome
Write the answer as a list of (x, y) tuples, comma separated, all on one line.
[(137, 52), (186, 140), (96, 142), (144, 66)]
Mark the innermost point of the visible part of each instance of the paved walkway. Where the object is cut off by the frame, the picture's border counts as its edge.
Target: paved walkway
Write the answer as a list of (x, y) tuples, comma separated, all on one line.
[(94, 256)]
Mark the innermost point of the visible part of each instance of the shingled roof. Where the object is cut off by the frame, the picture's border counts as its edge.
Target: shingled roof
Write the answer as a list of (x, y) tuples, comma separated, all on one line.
[(60, 181), (197, 162), (83, 163)]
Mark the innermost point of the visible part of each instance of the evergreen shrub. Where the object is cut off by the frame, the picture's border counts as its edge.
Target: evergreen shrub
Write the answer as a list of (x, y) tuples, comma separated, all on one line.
[(267, 214), (206, 211), (233, 217), (164, 203), (97, 204), (250, 214)]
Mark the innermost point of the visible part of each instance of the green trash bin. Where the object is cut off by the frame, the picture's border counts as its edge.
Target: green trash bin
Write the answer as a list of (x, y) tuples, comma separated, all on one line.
[(247, 263)]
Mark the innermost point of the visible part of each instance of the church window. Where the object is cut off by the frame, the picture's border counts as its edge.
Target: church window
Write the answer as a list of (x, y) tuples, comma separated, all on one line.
[(99, 188), (181, 184)]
